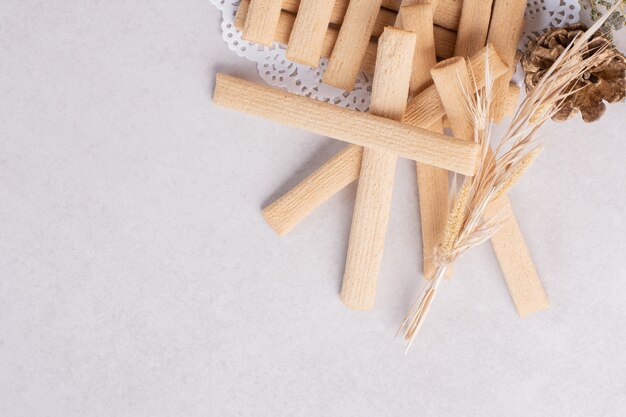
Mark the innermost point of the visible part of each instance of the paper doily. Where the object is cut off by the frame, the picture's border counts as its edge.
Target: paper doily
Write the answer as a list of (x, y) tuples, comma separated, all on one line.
[(275, 69)]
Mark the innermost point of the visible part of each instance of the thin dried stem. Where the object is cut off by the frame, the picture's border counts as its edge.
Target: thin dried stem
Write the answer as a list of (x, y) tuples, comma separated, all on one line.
[(414, 320)]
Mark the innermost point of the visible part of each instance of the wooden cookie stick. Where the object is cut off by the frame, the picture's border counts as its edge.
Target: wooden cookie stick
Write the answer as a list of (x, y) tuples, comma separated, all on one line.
[(444, 38), (515, 261), (423, 110), (451, 77), (390, 91), (417, 17), (432, 182), (262, 21), (309, 30), (363, 129), (287, 211), (473, 27), (505, 30), (354, 36)]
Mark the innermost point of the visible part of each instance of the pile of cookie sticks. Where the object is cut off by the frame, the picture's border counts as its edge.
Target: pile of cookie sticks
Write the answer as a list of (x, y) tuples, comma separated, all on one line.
[(400, 45)]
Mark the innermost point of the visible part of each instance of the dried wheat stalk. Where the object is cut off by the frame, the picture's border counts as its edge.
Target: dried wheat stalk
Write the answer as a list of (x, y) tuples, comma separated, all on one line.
[(467, 225)]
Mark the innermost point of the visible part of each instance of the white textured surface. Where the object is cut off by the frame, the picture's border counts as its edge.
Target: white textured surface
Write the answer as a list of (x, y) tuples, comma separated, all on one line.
[(138, 278)]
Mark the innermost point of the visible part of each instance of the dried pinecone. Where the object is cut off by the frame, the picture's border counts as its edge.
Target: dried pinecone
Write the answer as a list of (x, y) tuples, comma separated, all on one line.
[(605, 82)]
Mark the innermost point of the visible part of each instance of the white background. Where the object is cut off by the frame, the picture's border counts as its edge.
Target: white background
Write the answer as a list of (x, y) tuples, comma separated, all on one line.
[(138, 278)]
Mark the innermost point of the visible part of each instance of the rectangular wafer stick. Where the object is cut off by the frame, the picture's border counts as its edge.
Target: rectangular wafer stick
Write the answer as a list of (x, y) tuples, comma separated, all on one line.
[(423, 110), (345, 61), (309, 30), (417, 16), (287, 211), (451, 78), (347, 125), (390, 91), (432, 182), (505, 30), (262, 21), (473, 27), (444, 38), (515, 261)]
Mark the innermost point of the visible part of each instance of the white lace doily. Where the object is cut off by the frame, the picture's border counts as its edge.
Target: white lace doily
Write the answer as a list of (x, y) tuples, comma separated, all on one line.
[(275, 69)]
